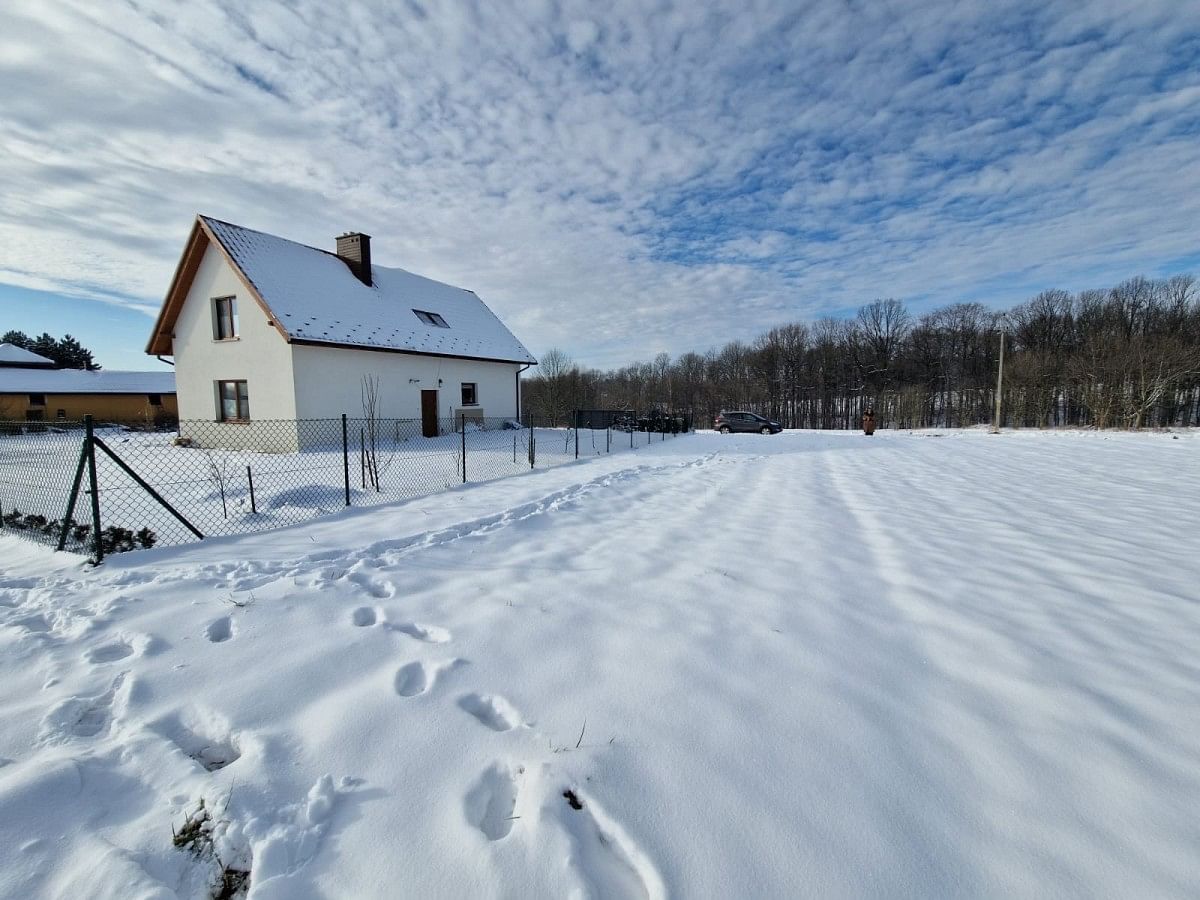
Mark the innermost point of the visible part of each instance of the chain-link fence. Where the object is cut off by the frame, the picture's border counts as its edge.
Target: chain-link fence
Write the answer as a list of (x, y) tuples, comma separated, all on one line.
[(106, 488), (37, 463)]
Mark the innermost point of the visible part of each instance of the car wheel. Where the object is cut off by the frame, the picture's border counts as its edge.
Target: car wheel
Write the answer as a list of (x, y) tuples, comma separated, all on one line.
[(765, 430), (724, 429)]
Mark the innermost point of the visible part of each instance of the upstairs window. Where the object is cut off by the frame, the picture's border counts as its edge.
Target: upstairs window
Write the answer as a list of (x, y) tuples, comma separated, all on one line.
[(37, 399), (225, 318), (233, 401), (468, 394), (431, 318), (155, 399)]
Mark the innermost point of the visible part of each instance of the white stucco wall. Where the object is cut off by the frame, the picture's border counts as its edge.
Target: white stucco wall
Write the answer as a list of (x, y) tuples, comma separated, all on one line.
[(329, 382), (259, 356)]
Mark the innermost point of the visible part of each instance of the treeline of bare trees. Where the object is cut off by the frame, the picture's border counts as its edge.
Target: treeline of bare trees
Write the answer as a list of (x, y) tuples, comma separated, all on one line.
[(1124, 357)]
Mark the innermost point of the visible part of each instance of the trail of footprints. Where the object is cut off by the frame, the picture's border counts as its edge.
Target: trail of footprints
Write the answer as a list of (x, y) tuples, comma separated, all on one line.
[(603, 857)]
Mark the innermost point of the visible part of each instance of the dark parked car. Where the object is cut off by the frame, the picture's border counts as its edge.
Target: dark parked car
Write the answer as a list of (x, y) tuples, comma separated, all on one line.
[(745, 421)]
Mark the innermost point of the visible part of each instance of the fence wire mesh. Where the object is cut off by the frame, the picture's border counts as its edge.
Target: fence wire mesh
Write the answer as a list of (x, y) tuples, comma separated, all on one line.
[(158, 487), (37, 466)]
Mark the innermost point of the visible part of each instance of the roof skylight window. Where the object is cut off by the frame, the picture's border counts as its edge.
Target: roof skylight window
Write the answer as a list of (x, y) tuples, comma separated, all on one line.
[(431, 318)]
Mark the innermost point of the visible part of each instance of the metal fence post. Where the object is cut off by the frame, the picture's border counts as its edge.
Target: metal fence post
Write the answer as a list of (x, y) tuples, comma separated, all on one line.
[(68, 517), (577, 434), (463, 424), (250, 479), (89, 439), (608, 439), (346, 458)]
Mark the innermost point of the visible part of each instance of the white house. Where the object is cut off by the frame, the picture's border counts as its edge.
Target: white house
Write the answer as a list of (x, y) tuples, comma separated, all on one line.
[(263, 328)]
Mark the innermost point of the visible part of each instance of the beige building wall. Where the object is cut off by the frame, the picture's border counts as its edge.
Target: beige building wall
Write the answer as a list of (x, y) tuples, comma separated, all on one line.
[(130, 408)]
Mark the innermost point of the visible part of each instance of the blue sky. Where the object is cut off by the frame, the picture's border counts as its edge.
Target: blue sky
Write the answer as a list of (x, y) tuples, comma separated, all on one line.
[(614, 180)]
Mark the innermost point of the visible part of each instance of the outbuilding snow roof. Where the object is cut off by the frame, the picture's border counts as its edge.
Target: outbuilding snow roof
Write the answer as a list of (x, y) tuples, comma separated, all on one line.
[(315, 298), (12, 355), (81, 381)]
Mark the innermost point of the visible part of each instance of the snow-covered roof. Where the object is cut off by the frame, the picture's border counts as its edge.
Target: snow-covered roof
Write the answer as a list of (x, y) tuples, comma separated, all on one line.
[(316, 298), (12, 355), (80, 381)]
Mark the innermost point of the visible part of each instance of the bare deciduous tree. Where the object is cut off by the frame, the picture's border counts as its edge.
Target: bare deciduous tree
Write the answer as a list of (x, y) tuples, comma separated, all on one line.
[(1129, 355)]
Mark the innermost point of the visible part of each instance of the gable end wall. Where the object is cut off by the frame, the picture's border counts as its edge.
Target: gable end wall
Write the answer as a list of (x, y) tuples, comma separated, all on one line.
[(260, 355)]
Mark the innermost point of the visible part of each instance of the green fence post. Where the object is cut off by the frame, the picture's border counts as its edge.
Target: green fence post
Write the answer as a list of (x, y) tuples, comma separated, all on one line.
[(70, 513), (346, 458), (93, 483)]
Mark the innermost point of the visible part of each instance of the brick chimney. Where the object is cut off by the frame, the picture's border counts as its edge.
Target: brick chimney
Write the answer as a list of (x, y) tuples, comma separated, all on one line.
[(354, 248)]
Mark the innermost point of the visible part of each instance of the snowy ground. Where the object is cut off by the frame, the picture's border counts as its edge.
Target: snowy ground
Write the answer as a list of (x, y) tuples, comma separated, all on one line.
[(813, 664)]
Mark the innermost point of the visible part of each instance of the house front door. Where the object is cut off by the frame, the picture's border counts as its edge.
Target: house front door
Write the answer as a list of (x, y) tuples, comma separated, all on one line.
[(429, 413)]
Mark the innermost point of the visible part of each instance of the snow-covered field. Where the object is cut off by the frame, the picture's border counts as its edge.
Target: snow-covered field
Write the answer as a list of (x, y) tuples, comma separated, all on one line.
[(815, 664)]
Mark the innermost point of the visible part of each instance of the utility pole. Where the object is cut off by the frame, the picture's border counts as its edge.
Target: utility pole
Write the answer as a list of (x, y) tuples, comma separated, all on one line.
[(999, 383)]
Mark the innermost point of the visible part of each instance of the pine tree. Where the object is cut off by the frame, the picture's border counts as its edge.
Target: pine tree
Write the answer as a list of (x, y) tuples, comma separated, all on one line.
[(67, 353)]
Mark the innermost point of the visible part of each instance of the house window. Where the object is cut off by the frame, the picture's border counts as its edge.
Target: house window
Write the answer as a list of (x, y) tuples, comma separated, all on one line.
[(233, 401), (225, 318), (34, 415), (431, 318), (155, 399), (37, 399), (61, 414), (468, 393)]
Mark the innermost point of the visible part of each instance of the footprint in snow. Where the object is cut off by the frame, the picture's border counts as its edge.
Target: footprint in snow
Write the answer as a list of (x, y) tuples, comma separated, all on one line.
[(35, 624), (204, 737), (493, 711), (491, 804), (412, 679), (606, 859), (431, 634), (123, 647), (416, 678), (364, 617), (83, 716), (108, 653), (219, 630), (380, 590)]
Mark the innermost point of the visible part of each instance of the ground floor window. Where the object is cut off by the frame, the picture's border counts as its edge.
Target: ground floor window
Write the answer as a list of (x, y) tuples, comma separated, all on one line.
[(61, 414), (34, 415), (468, 394), (233, 401)]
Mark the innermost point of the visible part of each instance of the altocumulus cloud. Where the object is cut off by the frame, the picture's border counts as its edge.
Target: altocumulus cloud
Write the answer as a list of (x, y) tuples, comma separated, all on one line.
[(616, 179)]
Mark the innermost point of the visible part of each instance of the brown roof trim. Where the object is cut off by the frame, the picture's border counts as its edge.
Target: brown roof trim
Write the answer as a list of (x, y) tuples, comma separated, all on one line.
[(340, 346), (185, 272), (181, 282)]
